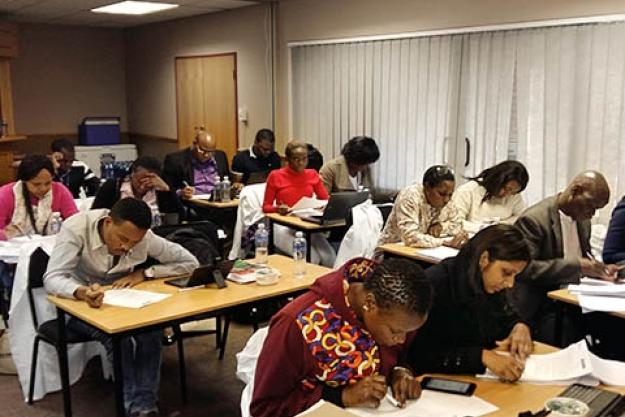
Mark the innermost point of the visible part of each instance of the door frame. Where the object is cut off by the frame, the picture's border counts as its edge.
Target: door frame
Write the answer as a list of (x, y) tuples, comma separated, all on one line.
[(236, 90)]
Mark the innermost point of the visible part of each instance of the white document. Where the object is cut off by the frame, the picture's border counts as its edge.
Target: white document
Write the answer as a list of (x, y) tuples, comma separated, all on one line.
[(601, 303), (613, 290), (127, 297), (563, 365), (309, 203), (607, 371), (437, 254), (201, 197), (431, 403), (594, 281)]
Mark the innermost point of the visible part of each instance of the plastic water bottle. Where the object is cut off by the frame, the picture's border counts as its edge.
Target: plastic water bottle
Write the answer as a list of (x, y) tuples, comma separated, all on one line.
[(156, 219), (261, 242), (225, 189), (217, 190), (299, 255), (55, 223)]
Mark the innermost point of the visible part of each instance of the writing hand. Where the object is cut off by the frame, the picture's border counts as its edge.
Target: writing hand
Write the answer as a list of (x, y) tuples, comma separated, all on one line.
[(92, 294), (130, 280)]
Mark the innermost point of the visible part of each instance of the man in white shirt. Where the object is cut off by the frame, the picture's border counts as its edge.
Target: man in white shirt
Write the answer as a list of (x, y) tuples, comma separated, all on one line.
[(99, 247), (557, 230)]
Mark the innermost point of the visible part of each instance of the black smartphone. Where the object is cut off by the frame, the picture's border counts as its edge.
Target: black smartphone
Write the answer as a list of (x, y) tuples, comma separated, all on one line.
[(219, 279), (448, 385)]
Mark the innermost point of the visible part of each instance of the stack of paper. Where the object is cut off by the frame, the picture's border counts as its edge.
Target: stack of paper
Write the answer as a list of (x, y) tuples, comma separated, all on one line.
[(244, 272), (431, 403), (308, 206), (608, 297), (437, 254), (130, 298), (201, 196), (567, 366)]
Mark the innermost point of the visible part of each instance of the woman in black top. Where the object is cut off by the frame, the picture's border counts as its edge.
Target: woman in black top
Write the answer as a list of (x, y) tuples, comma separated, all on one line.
[(471, 314)]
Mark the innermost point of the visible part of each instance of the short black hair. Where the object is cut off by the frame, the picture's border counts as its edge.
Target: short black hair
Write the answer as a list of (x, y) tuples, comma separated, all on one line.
[(437, 174), (493, 179), (503, 242), (62, 143), (315, 158), (265, 134), (361, 150), (132, 210), (400, 283), (148, 163)]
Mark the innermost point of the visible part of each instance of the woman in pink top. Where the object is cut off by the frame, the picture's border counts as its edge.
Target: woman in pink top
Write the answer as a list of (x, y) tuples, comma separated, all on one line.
[(28, 204), (285, 187)]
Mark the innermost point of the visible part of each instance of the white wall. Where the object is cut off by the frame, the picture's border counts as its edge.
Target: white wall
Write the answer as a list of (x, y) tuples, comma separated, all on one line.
[(64, 73), (150, 74)]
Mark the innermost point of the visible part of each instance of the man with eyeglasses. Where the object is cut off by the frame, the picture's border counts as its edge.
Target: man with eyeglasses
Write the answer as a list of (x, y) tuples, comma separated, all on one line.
[(194, 170), (70, 172)]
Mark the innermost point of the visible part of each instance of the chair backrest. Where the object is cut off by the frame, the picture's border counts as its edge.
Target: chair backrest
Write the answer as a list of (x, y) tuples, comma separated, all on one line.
[(36, 269), (200, 238)]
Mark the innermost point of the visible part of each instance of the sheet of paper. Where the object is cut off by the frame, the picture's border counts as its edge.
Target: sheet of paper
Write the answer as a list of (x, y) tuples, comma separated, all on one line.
[(601, 303), (309, 203), (608, 371), (307, 212), (563, 365), (439, 253), (127, 297), (201, 197), (609, 290), (594, 281), (325, 409), (431, 403)]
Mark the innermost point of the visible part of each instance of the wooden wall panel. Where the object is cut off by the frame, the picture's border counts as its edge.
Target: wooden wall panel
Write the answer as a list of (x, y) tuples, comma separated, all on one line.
[(6, 96), (8, 40)]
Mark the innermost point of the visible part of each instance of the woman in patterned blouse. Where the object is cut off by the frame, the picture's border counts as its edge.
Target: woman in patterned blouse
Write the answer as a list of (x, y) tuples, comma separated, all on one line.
[(341, 341), (423, 215)]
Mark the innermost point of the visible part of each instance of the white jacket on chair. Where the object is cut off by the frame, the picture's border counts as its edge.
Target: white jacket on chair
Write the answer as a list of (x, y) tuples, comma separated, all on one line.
[(246, 367), (362, 237), (249, 212)]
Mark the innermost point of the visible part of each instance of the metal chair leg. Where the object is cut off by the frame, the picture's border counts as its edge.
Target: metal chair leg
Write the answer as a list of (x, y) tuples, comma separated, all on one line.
[(33, 371), (181, 363), (224, 339)]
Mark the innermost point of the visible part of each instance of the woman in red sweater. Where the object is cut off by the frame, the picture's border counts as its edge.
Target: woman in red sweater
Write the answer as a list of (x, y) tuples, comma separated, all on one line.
[(344, 341), (285, 187)]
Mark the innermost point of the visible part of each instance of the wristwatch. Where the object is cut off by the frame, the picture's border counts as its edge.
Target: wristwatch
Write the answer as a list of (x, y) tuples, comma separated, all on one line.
[(148, 273)]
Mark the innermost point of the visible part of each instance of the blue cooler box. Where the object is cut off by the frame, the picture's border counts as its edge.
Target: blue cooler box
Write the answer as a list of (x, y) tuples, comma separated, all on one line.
[(99, 131)]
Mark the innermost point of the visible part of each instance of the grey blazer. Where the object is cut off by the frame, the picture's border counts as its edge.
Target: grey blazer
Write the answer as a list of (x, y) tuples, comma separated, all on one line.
[(540, 224)]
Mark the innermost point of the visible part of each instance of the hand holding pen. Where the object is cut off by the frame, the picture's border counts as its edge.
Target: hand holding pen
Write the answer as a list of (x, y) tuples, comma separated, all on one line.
[(591, 267), (187, 191), (13, 230)]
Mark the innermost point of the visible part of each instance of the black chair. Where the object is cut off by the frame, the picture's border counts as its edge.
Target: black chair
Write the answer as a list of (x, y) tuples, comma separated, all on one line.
[(47, 331)]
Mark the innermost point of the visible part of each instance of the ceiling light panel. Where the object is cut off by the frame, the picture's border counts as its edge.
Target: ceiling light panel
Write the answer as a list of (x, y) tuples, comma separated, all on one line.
[(134, 8)]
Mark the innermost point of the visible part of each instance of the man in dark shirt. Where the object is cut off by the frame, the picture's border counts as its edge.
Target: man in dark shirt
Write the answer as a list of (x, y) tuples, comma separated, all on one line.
[(72, 173), (260, 157)]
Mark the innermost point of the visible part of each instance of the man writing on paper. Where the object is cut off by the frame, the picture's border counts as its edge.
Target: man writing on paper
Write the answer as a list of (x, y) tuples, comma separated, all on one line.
[(558, 232), (99, 247)]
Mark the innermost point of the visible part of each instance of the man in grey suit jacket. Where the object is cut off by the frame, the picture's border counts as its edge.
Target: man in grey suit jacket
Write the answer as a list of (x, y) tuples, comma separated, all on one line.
[(557, 230)]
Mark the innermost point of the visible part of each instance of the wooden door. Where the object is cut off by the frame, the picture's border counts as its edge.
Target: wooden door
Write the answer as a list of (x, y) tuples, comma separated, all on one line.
[(206, 96)]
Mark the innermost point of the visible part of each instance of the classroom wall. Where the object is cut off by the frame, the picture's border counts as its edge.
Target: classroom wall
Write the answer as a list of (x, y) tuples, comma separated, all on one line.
[(327, 19), (150, 74), (64, 73)]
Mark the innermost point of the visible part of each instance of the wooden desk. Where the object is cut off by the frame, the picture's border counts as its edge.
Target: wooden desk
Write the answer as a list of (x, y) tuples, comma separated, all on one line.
[(215, 204), (300, 225), (182, 306), (565, 296), (416, 254)]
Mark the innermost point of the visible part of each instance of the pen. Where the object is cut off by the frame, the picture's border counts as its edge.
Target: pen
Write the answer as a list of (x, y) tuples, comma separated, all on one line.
[(23, 232), (592, 258), (392, 400), (186, 184)]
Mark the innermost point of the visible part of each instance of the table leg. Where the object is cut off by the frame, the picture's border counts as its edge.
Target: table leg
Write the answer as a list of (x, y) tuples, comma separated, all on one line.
[(118, 375), (308, 237), (271, 248), (558, 326), (63, 364)]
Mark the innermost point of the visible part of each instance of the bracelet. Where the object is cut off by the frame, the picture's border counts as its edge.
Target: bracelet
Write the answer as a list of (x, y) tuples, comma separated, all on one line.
[(404, 370)]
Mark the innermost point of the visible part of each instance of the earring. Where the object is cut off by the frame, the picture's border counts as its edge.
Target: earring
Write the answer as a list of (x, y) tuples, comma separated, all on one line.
[(365, 307)]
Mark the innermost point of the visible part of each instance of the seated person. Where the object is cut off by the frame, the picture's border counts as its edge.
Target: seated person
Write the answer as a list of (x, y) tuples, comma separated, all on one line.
[(102, 247), (471, 314), (350, 171), (493, 196), (260, 157), (28, 204), (72, 173), (143, 182), (423, 214), (196, 169), (614, 245), (363, 314), (285, 187), (557, 230)]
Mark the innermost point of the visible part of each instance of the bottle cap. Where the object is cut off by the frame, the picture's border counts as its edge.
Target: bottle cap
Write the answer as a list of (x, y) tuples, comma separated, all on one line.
[(261, 226), (299, 234)]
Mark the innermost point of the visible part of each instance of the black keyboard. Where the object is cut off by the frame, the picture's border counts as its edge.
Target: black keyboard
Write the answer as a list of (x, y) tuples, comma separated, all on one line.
[(602, 403)]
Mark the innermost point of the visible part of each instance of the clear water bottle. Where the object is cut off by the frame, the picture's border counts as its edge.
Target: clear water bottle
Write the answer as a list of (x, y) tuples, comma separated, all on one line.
[(156, 219), (299, 255), (217, 190), (225, 189), (261, 242), (55, 223)]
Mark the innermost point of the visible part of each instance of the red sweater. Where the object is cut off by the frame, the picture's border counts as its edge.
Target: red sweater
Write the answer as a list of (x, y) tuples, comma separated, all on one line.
[(307, 350), (285, 186)]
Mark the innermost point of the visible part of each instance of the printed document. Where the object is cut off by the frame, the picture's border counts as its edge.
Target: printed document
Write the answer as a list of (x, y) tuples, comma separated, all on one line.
[(127, 297)]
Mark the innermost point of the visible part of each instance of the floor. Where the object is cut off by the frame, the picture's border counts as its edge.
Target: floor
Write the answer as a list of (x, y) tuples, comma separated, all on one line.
[(212, 385)]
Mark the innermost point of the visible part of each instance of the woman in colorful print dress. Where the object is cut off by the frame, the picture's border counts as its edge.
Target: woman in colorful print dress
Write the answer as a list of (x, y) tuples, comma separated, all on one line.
[(343, 340)]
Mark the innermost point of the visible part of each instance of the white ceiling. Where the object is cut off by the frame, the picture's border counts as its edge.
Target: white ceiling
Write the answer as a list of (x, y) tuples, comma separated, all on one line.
[(77, 12)]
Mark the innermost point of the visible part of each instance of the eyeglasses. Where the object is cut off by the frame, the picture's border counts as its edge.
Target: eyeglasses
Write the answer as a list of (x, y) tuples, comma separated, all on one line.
[(201, 151)]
